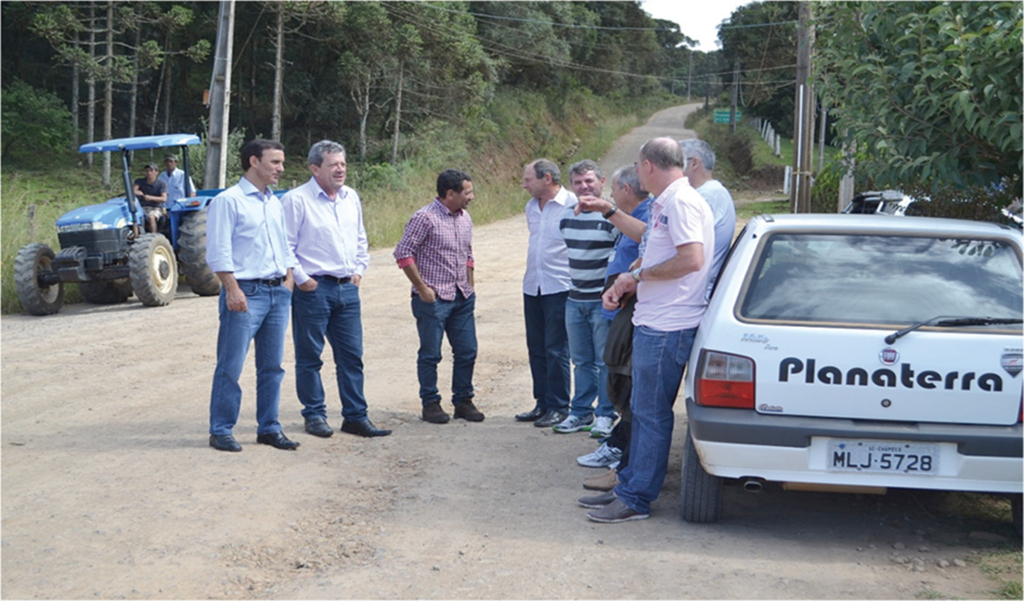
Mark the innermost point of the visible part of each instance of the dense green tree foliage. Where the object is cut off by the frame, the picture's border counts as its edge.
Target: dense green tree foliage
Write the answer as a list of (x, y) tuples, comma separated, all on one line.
[(33, 119), (761, 37), (381, 77), (930, 92)]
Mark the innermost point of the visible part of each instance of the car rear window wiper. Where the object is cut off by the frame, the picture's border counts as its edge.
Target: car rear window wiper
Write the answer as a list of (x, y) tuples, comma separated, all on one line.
[(950, 322)]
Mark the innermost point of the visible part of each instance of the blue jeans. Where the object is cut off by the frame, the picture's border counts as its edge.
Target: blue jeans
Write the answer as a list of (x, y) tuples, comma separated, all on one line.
[(548, 345), (265, 322), (332, 311), (658, 362), (588, 329), (433, 321)]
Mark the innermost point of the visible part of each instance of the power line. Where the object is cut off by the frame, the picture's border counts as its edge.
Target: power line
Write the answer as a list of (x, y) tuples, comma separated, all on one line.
[(551, 23)]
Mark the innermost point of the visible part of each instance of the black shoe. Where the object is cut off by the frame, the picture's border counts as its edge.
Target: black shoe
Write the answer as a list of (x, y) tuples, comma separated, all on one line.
[(277, 440), (551, 418), (318, 426), (433, 413), (467, 410), (362, 427), (225, 442), (530, 416)]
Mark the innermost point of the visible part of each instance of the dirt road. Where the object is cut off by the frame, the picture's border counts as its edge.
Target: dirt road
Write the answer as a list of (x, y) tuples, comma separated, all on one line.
[(109, 489)]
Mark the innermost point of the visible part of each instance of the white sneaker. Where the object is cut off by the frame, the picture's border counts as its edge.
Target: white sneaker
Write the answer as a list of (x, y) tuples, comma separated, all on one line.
[(604, 456), (602, 427), (574, 423)]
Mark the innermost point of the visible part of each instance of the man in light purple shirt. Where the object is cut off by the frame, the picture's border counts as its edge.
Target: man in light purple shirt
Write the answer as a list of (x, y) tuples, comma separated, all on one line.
[(546, 286), (324, 219), (247, 248)]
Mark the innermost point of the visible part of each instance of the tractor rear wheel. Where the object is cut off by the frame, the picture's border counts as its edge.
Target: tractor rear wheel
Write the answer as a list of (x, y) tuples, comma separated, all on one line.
[(192, 254), (32, 261), (154, 271), (106, 292)]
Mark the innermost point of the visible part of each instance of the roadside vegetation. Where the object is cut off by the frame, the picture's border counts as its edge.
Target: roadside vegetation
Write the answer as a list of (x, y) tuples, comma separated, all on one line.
[(38, 188)]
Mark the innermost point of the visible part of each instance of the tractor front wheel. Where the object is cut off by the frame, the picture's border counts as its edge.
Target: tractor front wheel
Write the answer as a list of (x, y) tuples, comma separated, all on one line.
[(32, 261), (154, 270)]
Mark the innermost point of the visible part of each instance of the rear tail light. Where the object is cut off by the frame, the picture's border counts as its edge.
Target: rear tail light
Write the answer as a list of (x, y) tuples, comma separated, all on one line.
[(724, 380)]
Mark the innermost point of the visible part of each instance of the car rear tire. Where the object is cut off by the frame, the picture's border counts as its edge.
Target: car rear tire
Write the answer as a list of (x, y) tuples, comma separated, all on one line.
[(106, 292), (32, 260), (1015, 509), (701, 493), (192, 254), (154, 270)]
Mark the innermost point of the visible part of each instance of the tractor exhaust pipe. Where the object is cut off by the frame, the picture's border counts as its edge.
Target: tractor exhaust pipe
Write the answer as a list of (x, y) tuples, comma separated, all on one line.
[(753, 485)]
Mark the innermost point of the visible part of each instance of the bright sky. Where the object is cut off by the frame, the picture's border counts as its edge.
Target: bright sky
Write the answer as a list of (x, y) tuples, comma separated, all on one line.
[(698, 19)]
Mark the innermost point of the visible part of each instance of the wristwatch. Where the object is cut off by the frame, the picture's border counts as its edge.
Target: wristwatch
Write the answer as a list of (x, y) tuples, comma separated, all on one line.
[(636, 273), (610, 212)]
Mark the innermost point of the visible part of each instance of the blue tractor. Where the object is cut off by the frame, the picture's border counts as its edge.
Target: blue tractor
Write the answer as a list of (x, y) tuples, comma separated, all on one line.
[(105, 250)]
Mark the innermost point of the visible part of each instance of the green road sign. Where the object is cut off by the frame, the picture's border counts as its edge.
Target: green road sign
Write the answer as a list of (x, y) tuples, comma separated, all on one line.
[(722, 115)]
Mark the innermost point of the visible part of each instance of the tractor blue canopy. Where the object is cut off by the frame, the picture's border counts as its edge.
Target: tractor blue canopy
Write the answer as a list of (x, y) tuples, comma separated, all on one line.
[(141, 143)]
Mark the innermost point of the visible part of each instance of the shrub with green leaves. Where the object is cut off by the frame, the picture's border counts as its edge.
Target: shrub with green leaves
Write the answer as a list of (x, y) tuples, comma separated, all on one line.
[(33, 120)]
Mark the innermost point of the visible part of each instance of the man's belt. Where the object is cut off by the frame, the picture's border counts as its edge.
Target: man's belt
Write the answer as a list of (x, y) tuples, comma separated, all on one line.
[(331, 278), (270, 282)]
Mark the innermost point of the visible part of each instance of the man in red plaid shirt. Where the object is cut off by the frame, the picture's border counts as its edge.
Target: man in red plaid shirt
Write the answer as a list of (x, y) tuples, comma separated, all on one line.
[(436, 254)]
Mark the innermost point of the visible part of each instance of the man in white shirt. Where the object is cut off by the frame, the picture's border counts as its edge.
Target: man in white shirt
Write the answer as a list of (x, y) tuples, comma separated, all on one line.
[(175, 180), (324, 219), (546, 286), (670, 284)]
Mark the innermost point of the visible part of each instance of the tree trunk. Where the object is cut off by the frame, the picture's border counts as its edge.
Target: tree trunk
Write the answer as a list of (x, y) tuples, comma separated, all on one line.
[(75, 100), (166, 84), (134, 99), (398, 112), (90, 109), (363, 118), (275, 128), (108, 92)]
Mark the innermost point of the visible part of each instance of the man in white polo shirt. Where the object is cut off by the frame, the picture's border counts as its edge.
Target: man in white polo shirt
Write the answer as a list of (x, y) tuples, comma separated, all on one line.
[(670, 283)]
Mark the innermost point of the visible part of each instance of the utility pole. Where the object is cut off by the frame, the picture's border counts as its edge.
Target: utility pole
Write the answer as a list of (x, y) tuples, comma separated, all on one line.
[(220, 98), (735, 96), (803, 122), (689, 76)]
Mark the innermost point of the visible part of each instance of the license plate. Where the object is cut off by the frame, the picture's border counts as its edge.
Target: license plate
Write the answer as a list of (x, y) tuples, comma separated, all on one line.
[(883, 456)]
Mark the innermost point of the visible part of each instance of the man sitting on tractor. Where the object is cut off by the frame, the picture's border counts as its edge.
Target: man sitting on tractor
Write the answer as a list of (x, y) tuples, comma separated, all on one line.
[(152, 195)]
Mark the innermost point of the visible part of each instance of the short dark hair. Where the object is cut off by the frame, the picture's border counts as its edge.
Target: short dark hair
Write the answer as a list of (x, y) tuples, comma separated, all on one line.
[(663, 153), (585, 166), (255, 148), (451, 179), (542, 167)]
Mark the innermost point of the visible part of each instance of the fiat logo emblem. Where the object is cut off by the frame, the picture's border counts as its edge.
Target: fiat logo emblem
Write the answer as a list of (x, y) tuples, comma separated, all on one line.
[(889, 356)]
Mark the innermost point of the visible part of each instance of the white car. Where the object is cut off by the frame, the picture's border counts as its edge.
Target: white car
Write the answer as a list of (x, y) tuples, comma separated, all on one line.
[(852, 353)]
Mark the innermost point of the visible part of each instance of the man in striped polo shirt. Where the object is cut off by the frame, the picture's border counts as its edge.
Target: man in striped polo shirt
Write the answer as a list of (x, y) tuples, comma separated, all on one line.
[(590, 239)]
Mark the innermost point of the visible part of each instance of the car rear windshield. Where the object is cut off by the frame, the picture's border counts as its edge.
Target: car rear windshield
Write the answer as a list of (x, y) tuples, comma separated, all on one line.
[(886, 280)]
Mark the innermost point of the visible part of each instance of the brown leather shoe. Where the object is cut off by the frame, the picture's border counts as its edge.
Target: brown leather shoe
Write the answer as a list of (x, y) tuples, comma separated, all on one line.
[(606, 481), (434, 414), (467, 410)]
